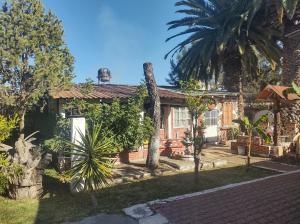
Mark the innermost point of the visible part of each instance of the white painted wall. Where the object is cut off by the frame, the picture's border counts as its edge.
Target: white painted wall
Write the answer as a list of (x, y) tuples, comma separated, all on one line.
[(77, 126)]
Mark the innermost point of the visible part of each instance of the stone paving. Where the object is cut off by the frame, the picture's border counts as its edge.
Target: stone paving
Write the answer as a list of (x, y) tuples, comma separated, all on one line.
[(273, 200)]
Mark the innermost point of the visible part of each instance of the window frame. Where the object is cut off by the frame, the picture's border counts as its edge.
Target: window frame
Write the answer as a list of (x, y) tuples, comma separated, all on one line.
[(212, 119), (179, 119)]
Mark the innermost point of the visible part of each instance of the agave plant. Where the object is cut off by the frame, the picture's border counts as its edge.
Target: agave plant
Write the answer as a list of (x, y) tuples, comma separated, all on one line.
[(92, 160), (251, 128)]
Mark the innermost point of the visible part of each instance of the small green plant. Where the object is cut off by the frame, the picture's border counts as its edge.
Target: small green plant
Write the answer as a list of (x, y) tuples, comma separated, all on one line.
[(93, 160), (251, 128), (294, 89), (8, 172)]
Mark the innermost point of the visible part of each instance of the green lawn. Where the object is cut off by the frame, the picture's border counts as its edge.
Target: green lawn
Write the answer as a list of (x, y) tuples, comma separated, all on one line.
[(59, 205)]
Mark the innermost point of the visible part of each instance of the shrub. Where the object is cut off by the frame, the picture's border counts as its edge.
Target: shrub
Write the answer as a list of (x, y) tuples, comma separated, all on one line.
[(8, 171), (122, 120), (6, 126)]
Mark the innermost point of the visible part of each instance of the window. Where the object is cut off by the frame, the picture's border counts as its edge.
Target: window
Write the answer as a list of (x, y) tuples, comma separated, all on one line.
[(182, 117), (211, 118)]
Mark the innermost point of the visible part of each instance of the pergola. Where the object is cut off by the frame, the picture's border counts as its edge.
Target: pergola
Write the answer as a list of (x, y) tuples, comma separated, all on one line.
[(279, 96)]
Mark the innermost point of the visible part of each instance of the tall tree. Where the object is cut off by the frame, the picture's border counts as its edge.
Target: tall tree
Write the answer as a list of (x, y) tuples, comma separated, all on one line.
[(285, 15), (153, 150), (222, 34), (33, 61)]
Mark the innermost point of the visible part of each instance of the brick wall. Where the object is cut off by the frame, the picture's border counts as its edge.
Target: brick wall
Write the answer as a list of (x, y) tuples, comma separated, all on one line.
[(258, 147)]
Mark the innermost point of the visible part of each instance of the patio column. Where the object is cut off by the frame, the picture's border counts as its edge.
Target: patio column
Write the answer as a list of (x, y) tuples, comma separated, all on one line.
[(77, 126)]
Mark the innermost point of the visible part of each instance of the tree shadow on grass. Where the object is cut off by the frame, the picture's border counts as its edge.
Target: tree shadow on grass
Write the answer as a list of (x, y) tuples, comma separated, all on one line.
[(59, 205)]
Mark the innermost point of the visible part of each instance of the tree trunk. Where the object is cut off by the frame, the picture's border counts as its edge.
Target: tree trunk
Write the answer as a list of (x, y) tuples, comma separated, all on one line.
[(153, 151), (29, 158), (233, 79), (197, 164), (291, 67), (277, 122), (241, 102), (197, 151), (94, 199), (249, 151), (22, 124), (291, 51)]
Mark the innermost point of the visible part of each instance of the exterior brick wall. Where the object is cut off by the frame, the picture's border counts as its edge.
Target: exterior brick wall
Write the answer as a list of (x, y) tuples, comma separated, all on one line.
[(258, 147), (174, 146)]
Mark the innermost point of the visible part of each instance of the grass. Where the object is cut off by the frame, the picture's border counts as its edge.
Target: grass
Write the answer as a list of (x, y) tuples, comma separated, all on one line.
[(59, 205)]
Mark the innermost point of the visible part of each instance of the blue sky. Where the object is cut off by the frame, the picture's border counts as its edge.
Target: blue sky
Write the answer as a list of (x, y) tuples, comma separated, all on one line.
[(118, 34)]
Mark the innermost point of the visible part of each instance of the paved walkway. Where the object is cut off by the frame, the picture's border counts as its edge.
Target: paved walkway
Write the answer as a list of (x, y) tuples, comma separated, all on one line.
[(274, 200), (275, 166), (106, 219)]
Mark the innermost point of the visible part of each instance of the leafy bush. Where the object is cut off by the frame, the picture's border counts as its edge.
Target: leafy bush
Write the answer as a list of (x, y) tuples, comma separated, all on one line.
[(6, 126), (122, 120), (62, 131), (8, 171)]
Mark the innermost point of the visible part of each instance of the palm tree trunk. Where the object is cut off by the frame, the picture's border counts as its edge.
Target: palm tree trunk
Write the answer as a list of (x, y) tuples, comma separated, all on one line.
[(153, 151), (291, 51), (290, 70), (233, 79)]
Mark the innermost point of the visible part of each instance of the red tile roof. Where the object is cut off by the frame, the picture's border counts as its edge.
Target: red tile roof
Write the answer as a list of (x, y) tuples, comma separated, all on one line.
[(109, 91), (268, 93)]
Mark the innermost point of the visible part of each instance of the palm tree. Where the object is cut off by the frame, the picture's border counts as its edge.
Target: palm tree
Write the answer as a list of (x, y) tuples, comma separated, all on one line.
[(222, 34), (251, 128), (291, 48), (93, 161), (285, 14)]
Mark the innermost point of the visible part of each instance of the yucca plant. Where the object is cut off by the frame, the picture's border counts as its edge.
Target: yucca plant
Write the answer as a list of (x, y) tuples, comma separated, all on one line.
[(251, 128), (92, 160)]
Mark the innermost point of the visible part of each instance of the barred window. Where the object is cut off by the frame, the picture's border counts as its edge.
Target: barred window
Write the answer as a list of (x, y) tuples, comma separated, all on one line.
[(211, 117), (182, 117)]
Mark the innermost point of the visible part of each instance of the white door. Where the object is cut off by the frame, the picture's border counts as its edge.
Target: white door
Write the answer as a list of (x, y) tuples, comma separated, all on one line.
[(211, 122)]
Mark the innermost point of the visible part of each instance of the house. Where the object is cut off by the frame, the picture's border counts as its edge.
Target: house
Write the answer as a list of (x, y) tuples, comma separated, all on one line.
[(175, 117)]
